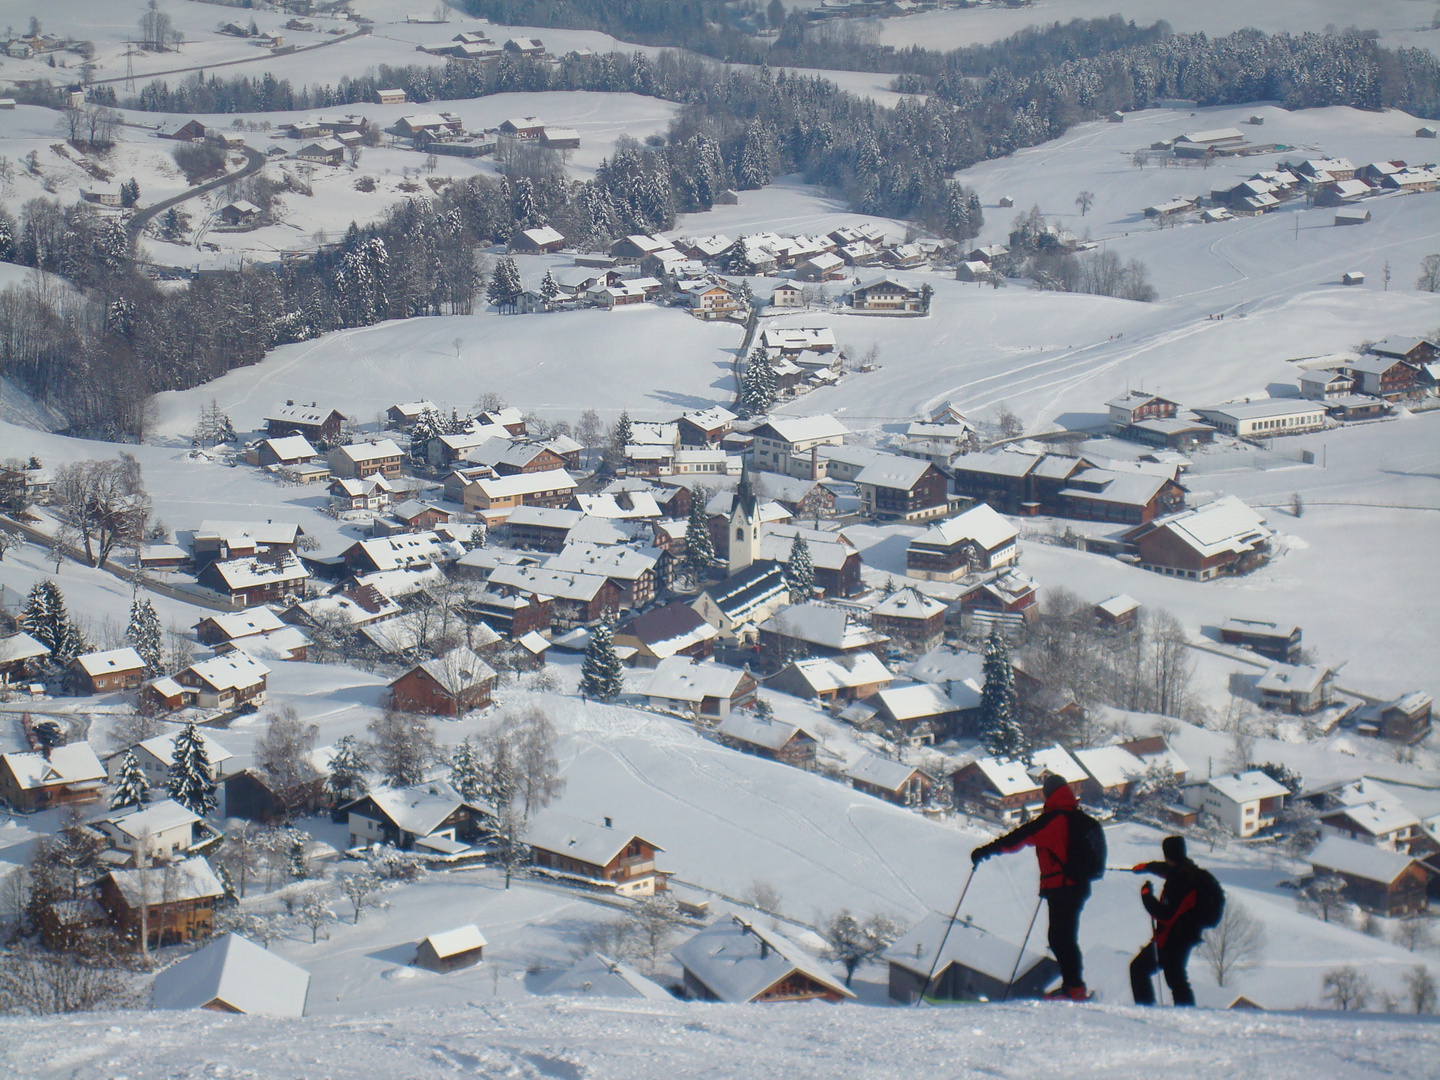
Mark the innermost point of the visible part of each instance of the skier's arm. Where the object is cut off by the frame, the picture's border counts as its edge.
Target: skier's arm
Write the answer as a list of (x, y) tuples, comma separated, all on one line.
[(1013, 840)]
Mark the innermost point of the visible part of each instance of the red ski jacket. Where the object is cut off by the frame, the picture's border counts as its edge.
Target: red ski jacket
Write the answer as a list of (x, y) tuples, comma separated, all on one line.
[(1049, 835)]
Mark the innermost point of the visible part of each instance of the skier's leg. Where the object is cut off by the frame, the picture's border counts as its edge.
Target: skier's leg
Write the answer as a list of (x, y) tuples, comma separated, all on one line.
[(1141, 969), (1173, 961)]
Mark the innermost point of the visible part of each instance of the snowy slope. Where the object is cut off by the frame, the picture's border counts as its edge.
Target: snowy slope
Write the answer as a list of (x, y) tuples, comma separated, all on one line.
[(650, 1041)]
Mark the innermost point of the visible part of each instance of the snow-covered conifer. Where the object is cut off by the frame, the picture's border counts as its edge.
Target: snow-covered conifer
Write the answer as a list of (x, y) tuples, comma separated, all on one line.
[(145, 635), (800, 572), (999, 708), (190, 784), (347, 771), (131, 787), (699, 545), (602, 675), (467, 773)]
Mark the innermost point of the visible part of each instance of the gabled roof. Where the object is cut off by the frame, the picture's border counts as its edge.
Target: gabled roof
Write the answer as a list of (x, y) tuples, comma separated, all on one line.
[(156, 817), (558, 832), (677, 678), (598, 976), (369, 451), (1377, 817), (310, 415), (462, 939), (918, 702), (1293, 679), (820, 625), (1225, 525), (980, 523), (1110, 766), (761, 731), (239, 624), (881, 772), (965, 944), (1358, 859), (457, 671), (1006, 777), (162, 747), (238, 973), (74, 763), (751, 588), (247, 573), (891, 471), (738, 961), (233, 671), (607, 560), (1057, 760), (666, 630), (908, 603), (824, 674), (794, 429), (189, 880), (105, 663), (421, 809), (999, 463), (1119, 605), (1248, 786), (288, 447)]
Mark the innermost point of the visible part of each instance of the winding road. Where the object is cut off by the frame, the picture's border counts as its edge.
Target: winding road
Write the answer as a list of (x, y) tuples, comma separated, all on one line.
[(230, 63), (254, 162)]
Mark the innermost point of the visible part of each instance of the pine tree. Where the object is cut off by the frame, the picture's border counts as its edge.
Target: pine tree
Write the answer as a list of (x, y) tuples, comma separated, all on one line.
[(623, 432), (467, 772), (299, 861), (602, 676), (46, 620), (758, 385), (505, 282), (549, 288), (999, 708), (347, 771), (190, 784), (131, 787), (145, 636), (800, 572), (699, 545)]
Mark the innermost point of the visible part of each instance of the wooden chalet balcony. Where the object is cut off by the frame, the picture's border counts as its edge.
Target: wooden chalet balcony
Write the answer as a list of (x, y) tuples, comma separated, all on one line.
[(636, 866)]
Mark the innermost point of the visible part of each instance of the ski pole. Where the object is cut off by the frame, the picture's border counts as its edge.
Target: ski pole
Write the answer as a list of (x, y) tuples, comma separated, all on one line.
[(946, 937), (1021, 954)]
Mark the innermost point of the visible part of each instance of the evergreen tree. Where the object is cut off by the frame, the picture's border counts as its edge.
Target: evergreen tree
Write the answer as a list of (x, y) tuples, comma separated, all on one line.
[(602, 676), (347, 771), (145, 636), (758, 385), (699, 545), (299, 862), (755, 159), (505, 282), (46, 620), (999, 708), (467, 772), (549, 288), (131, 787), (190, 784), (800, 572), (623, 432)]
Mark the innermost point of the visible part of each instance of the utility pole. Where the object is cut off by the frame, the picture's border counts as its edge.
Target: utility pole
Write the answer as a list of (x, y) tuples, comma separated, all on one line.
[(1387, 275)]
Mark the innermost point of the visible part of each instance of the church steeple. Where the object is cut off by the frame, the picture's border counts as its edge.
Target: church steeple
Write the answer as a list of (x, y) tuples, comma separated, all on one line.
[(744, 526)]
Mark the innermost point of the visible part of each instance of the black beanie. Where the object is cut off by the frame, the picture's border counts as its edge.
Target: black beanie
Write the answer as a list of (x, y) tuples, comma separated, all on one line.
[(1051, 784), (1174, 848)]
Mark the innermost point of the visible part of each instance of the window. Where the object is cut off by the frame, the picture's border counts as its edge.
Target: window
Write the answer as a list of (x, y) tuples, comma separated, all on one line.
[(739, 534)]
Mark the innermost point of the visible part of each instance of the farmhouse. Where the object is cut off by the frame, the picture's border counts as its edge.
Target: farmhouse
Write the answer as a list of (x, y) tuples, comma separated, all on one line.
[(703, 691), (575, 598), (540, 241), (39, 781), (975, 965), (170, 905), (1278, 641), (247, 582), (1406, 719), (818, 630), (893, 781), (1136, 405), (675, 630), (978, 539), (769, 738), (314, 422), (1298, 689), (160, 832), (285, 451), (226, 682), (999, 789), (1388, 377), (910, 617), (777, 441), (361, 460), (597, 976), (1244, 803), (903, 489), (103, 672), (886, 296), (835, 561), (828, 679), (156, 756), (1386, 882), (595, 854), (1223, 537), (451, 684), (737, 962), (495, 497), (431, 816)]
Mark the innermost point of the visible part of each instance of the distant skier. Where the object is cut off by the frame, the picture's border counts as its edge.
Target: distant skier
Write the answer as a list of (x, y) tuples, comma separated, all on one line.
[(1068, 857), (1191, 902)]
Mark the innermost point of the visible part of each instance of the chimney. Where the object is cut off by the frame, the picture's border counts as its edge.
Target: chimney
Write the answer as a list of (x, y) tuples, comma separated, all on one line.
[(609, 824), (815, 462)]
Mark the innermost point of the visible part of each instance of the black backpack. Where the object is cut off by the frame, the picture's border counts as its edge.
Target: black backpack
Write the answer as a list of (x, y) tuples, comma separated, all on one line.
[(1209, 906), (1086, 852)]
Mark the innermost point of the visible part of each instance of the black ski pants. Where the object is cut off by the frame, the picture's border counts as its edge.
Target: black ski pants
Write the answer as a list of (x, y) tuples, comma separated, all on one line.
[(1065, 904), (1171, 958)]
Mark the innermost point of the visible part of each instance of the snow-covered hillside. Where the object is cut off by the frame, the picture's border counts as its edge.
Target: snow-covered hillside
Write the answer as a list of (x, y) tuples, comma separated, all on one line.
[(652, 1041)]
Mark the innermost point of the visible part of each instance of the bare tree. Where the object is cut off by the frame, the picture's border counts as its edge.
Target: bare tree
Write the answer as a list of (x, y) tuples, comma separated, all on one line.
[(1011, 426), (1084, 201), (1236, 945), (106, 501), (1420, 988), (283, 755), (360, 887), (314, 911), (1414, 932), (1347, 989), (540, 780), (852, 942), (402, 746), (1324, 895), (1429, 280), (37, 982), (655, 919), (240, 853)]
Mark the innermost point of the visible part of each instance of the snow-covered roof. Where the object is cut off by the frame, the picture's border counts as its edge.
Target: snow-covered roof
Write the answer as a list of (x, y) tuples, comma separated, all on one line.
[(249, 573), (409, 550), (762, 731), (944, 664), (1263, 409), (797, 429), (1005, 462), (74, 763), (20, 646), (1110, 766), (966, 944), (799, 337), (369, 451), (547, 517), (1248, 786), (891, 471), (708, 419), (505, 487), (677, 678), (420, 809), (458, 670), (609, 560), (1359, 859), (157, 817), (239, 624), (310, 415), (1006, 777), (162, 747), (908, 603), (238, 973), (738, 961), (1213, 135), (1057, 760), (1380, 816), (289, 447), (907, 703), (669, 629), (1292, 678), (189, 880), (642, 505), (560, 585), (828, 551), (598, 976), (233, 671), (555, 831), (823, 673), (1226, 524), (1119, 605), (462, 939), (104, 663), (820, 625), (881, 772)]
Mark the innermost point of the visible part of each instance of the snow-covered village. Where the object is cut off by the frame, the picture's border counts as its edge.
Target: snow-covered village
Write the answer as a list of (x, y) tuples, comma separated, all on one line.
[(853, 538)]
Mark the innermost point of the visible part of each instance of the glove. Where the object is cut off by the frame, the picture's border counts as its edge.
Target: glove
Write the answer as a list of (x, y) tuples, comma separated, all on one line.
[(1146, 890), (1140, 868), (980, 854)]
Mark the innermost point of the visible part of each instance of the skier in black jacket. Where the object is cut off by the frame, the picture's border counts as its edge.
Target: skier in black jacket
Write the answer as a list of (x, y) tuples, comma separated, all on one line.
[(1177, 929)]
